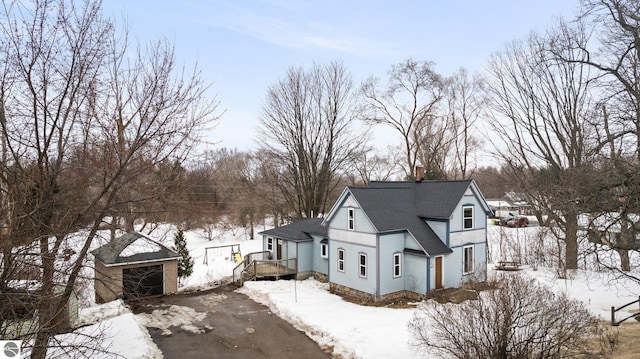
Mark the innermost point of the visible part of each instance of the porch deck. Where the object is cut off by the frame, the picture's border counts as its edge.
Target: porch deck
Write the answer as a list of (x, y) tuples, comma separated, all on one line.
[(269, 270)]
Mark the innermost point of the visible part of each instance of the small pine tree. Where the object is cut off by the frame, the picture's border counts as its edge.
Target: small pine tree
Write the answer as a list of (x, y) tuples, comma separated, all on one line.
[(185, 264)]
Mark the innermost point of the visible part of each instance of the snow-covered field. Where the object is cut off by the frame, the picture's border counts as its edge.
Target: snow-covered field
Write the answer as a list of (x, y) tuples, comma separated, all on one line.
[(353, 331)]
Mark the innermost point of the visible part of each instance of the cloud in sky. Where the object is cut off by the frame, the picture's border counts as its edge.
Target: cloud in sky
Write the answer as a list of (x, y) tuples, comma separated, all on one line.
[(280, 24)]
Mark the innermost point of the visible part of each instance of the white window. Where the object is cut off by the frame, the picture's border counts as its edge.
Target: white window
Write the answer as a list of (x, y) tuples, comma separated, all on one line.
[(340, 260), (467, 258), (351, 214), (270, 244), (362, 265), (467, 217), (397, 265), (324, 250)]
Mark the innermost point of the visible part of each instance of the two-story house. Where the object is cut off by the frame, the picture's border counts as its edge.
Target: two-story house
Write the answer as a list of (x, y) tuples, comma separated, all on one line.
[(391, 239)]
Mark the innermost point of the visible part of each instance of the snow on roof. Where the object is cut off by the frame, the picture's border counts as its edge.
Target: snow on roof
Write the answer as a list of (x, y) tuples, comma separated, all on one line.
[(117, 251), (141, 245)]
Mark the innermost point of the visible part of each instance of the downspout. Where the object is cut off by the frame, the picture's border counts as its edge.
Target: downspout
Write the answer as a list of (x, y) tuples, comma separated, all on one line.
[(428, 273), (377, 266)]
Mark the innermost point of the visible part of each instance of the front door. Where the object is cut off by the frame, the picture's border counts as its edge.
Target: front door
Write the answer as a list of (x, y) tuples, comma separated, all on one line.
[(438, 272), (279, 249)]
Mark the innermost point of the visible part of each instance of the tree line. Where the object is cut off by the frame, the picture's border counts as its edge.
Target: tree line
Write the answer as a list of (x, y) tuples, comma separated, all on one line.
[(97, 133)]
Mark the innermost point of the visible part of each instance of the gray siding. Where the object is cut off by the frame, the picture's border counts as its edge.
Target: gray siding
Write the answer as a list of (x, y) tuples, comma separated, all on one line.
[(414, 273), (479, 216), (320, 265), (304, 256), (440, 229), (350, 277), (390, 244), (362, 223)]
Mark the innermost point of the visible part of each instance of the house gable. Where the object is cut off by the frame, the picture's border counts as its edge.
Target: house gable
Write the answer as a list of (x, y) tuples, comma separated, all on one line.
[(339, 217)]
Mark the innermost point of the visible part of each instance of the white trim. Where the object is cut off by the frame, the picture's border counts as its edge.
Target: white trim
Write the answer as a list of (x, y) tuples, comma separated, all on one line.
[(338, 261), (362, 266), (325, 247), (464, 251), (399, 256), (138, 262), (351, 219), (464, 218)]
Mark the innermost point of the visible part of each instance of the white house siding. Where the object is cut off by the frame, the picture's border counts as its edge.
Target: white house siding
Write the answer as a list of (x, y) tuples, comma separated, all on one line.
[(320, 265), (457, 239), (390, 244), (350, 277), (365, 239)]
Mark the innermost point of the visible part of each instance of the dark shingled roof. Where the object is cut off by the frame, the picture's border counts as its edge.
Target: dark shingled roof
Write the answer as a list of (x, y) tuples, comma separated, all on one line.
[(299, 231), (398, 206), (109, 253)]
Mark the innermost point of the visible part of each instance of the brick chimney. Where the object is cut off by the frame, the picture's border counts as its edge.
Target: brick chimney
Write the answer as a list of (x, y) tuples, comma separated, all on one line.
[(419, 173)]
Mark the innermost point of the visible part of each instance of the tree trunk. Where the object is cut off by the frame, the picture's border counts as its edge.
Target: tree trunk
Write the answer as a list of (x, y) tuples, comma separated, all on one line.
[(625, 264), (571, 241)]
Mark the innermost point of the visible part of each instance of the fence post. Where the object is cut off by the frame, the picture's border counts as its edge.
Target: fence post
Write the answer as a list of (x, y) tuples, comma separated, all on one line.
[(613, 316)]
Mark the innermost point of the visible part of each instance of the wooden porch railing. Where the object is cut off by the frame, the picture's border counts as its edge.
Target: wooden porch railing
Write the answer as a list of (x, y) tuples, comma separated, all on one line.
[(248, 259), (259, 268), (614, 310)]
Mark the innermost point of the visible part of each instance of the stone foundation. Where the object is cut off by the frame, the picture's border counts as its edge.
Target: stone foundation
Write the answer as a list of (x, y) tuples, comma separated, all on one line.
[(357, 296), (320, 277)]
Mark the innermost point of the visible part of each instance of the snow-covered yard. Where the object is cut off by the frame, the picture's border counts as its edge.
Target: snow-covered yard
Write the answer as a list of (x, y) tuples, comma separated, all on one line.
[(353, 331)]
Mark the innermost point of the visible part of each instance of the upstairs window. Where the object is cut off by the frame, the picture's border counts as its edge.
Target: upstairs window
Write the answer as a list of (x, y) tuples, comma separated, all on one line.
[(351, 214), (467, 217), (340, 260), (362, 265), (397, 265), (467, 258)]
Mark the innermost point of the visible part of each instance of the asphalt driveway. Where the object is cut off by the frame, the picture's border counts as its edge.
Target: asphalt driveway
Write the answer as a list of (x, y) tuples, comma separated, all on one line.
[(221, 323)]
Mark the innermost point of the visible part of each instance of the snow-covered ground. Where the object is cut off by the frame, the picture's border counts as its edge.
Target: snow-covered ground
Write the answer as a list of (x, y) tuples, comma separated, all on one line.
[(353, 331)]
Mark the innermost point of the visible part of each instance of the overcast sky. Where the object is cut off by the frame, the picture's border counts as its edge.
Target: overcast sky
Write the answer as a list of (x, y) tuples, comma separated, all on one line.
[(245, 46)]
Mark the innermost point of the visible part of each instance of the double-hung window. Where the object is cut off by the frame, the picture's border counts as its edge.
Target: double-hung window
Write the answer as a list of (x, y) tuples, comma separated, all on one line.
[(340, 260), (467, 260), (351, 219), (397, 265), (467, 217), (270, 244), (362, 265)]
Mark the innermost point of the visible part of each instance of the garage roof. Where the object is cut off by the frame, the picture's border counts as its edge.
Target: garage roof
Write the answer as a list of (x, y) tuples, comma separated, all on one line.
[(133, 247)]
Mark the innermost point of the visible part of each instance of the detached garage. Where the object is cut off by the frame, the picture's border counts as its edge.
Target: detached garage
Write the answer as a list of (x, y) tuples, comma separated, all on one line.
[(134, 266)]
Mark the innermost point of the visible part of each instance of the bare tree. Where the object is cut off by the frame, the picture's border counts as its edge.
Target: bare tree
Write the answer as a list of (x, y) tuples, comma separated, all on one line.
[(369, 165), (518, 319), (306, 129), (615, 54), (409, 103), (72, 87), (465, 97), (542, 118)]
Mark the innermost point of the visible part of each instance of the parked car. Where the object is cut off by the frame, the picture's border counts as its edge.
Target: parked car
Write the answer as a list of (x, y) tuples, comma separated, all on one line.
[(512, 220), (518, 222)]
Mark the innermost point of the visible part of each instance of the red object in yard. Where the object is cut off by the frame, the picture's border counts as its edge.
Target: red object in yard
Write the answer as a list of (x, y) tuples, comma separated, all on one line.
[(518, 222)]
